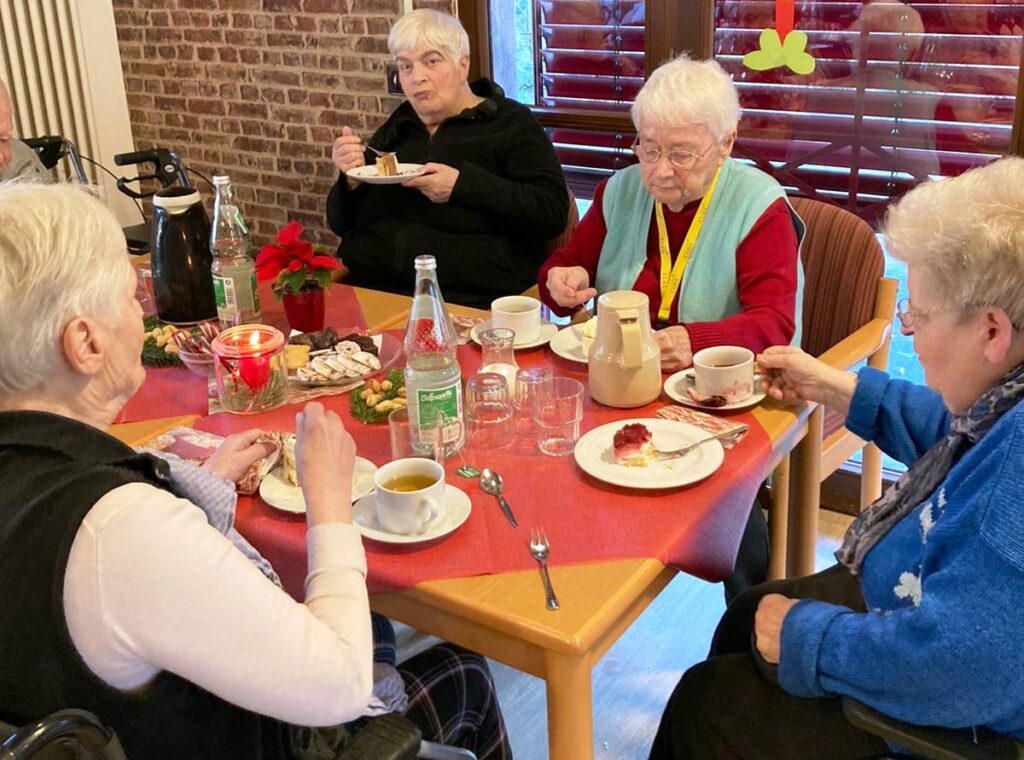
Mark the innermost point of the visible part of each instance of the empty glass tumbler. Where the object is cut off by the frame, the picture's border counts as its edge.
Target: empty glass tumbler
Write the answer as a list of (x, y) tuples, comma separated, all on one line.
[(532, 384), (557, 417), (489, 411)]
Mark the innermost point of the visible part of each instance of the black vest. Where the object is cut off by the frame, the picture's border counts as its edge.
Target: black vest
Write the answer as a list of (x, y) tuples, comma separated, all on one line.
[(52, 471)]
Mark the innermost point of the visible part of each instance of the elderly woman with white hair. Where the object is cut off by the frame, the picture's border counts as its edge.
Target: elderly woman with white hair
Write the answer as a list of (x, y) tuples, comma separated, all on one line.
[(120, 595), (712, 242), (491, 192), (921, 617)]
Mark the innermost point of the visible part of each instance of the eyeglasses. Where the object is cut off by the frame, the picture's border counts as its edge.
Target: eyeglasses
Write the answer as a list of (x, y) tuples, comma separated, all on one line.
[(681, 159), (908, 316)]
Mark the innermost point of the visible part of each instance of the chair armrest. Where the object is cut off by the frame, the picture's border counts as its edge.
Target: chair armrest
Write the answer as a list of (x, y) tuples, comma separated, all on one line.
[(859, 345), (387, 737), (931, 742)]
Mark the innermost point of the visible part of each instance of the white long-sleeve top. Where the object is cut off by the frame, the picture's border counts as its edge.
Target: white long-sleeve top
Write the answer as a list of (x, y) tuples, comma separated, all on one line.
[(151, 586)]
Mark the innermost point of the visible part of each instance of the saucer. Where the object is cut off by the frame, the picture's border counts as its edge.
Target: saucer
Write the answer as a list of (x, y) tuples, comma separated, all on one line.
[(457, 509), (547, 332), (569, 345), (676, 385), (280, 494)]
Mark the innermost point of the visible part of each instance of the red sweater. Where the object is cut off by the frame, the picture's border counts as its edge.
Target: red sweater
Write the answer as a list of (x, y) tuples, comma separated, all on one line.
[(766, 275)]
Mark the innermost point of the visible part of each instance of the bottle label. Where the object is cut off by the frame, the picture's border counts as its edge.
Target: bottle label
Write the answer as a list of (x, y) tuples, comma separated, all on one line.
[(445, 401), (255, 294), (224, 290)]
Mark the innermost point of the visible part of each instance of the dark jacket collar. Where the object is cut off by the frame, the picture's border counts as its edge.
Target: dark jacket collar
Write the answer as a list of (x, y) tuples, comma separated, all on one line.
[(70, 438), (483, 87)]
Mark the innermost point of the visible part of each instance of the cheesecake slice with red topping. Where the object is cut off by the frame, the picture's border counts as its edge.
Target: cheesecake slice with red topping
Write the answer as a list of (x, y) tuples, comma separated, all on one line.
[(632, 445)]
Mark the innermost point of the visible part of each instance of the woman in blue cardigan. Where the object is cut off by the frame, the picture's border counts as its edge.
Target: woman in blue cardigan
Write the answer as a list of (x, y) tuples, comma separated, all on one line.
[(921, 618)]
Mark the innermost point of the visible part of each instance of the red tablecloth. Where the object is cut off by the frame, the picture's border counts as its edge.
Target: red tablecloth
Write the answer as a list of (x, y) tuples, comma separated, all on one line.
[(696, 528), (175, 391)]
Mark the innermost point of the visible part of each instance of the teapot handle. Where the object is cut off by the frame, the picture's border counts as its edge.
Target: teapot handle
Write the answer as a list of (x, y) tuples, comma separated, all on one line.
[(632, 345)]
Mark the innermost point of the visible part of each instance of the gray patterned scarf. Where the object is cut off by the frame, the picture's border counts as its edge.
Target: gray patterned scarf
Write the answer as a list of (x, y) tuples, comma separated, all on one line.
[(924, 476)]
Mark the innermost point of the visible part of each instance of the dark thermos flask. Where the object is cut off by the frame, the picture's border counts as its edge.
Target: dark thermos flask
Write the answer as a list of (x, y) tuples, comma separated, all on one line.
[(181, 257)]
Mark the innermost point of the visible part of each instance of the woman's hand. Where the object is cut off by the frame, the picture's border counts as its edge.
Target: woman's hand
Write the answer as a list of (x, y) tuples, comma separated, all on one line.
[(569, 286), (676, 351), (771, 612), (791, 374), (437, 183), (325, 456), (348, 153), (237, 454)]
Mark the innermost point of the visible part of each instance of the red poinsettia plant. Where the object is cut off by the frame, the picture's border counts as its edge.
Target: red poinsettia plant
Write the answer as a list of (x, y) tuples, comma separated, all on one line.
[(295, 264)]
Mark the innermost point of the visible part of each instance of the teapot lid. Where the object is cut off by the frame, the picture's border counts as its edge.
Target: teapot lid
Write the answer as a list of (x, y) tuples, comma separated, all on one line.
[(622, 299), (176, 200)]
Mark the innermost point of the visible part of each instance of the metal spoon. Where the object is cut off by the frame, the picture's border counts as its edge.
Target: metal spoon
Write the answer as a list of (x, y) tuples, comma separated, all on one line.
[(491, 483)]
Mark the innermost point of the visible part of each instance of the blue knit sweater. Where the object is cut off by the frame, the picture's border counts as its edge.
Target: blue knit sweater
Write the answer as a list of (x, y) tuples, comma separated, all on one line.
[(942, 641)]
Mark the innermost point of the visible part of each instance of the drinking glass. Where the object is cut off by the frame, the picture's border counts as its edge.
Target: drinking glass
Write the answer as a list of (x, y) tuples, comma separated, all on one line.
[(557, 417), (489, 411), (499, 355), (401, 438), (531, 385)]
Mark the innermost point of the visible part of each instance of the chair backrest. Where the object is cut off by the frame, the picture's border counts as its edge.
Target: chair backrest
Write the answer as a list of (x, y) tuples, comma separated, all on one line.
[(843, 262), (570, 226)]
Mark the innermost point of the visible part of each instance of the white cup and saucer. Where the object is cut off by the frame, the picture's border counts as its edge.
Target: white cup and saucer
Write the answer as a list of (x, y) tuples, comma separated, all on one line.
[(521, 314), (411, 503), (722, 379)]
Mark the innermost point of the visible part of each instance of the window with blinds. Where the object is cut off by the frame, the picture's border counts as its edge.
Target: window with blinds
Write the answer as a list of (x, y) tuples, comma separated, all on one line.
[(900, 91)]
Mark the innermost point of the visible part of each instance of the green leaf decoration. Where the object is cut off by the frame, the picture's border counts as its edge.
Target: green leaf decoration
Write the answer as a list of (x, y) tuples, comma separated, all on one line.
[(468, 472), (295, 281), (323, 278), (369, 415), (773, 53)]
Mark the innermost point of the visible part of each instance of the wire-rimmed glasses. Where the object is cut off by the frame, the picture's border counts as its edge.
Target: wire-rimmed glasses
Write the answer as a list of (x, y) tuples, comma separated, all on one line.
[(680, 159), (908, 315)]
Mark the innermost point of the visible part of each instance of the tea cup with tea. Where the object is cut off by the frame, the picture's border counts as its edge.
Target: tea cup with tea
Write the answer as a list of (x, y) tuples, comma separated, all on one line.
[(518, 313), (726, 371), (410, 495)]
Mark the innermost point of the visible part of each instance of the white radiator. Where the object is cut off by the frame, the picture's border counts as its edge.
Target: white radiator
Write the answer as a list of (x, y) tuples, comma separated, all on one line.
[(61, 64)]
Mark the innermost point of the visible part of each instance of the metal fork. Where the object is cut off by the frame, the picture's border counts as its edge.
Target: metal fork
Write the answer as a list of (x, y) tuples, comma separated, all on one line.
[(378, 152), (539, 551), (727, 436)]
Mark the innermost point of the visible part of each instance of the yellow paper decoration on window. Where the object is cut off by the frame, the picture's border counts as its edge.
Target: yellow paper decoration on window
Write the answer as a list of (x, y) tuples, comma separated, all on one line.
[(775, 53)]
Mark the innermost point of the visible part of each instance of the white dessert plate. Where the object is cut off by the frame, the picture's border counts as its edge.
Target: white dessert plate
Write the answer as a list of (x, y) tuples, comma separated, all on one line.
[(676, 388), (280, 494), (595, 456), (548, 330), (456, 512), (369, 174), (569, 345)]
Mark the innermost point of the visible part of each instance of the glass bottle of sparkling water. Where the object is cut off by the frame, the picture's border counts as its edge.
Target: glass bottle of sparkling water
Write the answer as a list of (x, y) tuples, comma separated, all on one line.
[(234, 271), (433, 378)]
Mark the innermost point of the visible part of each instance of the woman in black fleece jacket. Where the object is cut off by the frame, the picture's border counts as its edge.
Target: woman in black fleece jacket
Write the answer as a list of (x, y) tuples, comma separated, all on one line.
[(493, 192)]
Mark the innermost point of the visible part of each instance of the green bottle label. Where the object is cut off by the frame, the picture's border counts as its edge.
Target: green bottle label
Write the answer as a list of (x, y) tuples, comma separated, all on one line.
[(444, 401), (255, 294)]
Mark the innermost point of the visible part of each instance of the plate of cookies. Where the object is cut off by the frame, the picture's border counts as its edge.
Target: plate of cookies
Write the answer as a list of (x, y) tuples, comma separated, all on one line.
[(331, 357), (280, 489)]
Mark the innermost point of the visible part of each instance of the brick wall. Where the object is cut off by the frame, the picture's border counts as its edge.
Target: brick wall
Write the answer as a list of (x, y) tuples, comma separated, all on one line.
[(258, 89)]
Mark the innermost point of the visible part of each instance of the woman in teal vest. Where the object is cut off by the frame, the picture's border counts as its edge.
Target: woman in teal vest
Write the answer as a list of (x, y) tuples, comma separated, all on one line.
[(711, 241)]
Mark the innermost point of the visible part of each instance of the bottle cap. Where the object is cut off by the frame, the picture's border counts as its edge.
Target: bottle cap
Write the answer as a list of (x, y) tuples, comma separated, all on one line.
[(425, 262), (221, 179)]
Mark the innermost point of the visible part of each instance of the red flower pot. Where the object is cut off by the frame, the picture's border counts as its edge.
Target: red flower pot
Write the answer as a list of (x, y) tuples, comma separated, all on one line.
[(305, 309)]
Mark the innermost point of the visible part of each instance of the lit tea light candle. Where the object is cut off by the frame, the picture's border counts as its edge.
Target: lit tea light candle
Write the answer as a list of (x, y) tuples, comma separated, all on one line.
[(251, 372)]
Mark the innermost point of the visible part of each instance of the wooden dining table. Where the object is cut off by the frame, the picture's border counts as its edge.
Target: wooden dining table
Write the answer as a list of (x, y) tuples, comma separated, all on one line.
[(498, 615)]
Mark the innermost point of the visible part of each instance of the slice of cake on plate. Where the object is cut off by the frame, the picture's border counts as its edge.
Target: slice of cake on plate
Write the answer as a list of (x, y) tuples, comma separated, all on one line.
[(288, 458), (387, 165), (633, 446)]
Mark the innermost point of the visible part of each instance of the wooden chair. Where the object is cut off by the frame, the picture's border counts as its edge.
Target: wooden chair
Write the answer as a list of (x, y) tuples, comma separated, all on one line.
[(848, 312)]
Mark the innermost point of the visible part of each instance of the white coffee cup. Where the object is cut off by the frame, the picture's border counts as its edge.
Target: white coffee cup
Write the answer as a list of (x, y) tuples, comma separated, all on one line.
[(404, 508), (724, 371), (518, 313)]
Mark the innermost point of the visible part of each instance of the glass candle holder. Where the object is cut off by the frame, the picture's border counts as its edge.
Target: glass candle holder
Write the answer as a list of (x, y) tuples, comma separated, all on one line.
[(251, 373)]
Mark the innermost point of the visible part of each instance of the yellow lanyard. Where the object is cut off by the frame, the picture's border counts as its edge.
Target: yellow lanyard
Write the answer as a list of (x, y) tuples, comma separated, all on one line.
[(672, 275)]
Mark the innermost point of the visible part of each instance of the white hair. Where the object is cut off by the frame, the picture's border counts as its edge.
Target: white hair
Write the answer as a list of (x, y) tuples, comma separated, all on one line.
[(966, 234), (62, 255), (433, 28), (683, 91)]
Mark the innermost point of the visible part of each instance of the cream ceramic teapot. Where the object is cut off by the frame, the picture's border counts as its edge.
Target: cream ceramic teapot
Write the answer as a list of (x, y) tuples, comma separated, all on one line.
[(624, 362)]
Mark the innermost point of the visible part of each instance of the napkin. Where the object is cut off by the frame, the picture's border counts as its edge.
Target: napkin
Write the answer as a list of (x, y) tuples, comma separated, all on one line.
[(709, 422), (197, 446), (463, 327)]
